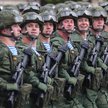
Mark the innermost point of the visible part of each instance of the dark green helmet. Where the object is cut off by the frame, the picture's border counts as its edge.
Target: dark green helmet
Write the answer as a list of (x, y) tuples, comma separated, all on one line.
[(31, 8), (82, 12), (74, 5), (85, 4), (50, 5), (59, 7), (32, 17), (98, 11), (66, 13), (34, 4), (11, 8), (48, 17), (103, 4), (21, 7), (45, 8), (8, 18)]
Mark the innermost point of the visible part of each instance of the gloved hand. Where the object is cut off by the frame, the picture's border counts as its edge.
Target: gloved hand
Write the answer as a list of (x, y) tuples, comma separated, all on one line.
[(85, 44), (28, 51), (26, 88), (50, 88), (100, 39), (49, 80), (63, 48), (72, 80), (12, 86), (98, 70), (42, 87)]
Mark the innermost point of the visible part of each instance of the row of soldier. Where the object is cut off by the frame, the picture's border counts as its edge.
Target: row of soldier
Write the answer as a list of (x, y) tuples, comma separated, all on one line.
[(51, 60)]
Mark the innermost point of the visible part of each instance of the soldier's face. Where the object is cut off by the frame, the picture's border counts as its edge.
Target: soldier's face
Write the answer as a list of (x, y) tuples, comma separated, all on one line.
[(68, 24), (48, 28), (98, 23), (83, 24), (33, 29), (16, 30)]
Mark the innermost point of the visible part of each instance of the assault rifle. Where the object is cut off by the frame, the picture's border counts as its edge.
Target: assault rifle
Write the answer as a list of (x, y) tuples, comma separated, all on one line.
[(94, 56), (95, 51), (75, 68), (105, 56), (44, 78), (58, 58), (18, 76)]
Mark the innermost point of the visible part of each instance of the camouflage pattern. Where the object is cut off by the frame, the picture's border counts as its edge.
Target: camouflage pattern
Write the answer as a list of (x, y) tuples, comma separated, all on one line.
[(69, 56)]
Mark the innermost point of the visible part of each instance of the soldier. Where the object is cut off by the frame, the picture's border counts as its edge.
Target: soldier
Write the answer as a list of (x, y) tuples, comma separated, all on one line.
[(94, 91), (48, 28), (10, 32), (66, 18), (31, 27), (82, 33)]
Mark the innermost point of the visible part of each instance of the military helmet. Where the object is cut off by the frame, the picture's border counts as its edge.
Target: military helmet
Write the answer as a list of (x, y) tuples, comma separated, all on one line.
[(32, 17), (85, 4), (49, 17), (82, 12), (21, 7), (66, 13), (74, 6), (45, 8), (103, 4), (34, 4), (50, 5), (31, 8), (98, 11), (8, 18)]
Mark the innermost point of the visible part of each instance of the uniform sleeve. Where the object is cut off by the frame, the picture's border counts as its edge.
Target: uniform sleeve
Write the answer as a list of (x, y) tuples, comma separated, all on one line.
[(87, 68), (101, 64)]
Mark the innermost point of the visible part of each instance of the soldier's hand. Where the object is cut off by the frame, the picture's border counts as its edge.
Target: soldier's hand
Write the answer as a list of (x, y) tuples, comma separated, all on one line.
[(12, 86), (63, 48), (100, 39), (98, 72), (72, 80), (49, 80), (85, 45), (42, 87), (28, 51)]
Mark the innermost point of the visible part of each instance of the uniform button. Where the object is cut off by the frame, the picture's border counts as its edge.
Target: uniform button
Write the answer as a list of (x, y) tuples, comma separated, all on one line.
[(14, 58)]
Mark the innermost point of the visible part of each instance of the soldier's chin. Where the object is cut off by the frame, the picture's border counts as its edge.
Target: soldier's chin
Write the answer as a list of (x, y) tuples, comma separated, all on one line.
[(99, 29)]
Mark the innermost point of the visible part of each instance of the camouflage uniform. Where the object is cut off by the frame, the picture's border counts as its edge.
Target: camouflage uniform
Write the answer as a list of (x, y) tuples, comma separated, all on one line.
[(34, 70), (95, 94), (66, 63), (9, 59)]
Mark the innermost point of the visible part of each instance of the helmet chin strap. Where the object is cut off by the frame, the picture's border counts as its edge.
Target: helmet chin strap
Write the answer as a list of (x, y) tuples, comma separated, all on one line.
[(31, 37), (97, 30), (65, 31), (15, 38), (46, 35)]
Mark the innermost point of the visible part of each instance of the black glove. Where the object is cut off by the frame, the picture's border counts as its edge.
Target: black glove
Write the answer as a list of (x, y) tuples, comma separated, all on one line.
[(63, 48), (85, 45), (28, 51), (100, 39)]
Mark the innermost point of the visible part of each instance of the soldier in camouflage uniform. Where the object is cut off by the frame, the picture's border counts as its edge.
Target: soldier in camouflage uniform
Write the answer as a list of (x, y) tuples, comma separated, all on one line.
[(66, 18), (97, 25), (9, 56), (31, 27), (48, 28), (95, 97)]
